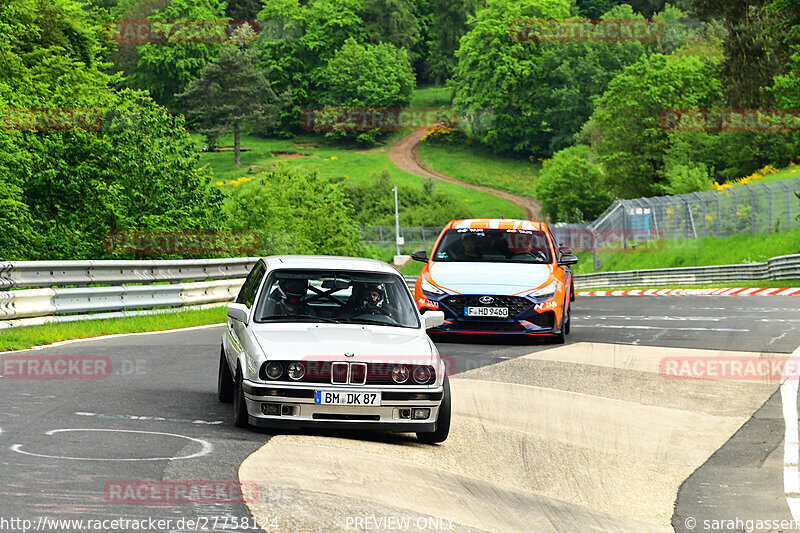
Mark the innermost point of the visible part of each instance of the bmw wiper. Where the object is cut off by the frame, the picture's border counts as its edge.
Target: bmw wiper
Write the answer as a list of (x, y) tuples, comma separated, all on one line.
[(357, 320), (312, 317)]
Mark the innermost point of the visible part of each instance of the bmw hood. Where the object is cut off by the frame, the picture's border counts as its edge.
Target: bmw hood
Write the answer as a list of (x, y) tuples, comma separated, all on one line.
[(502, 279), (331, 342)]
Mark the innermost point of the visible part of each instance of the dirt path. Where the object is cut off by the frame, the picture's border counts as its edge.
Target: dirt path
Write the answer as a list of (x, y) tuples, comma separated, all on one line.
[(405, 154)]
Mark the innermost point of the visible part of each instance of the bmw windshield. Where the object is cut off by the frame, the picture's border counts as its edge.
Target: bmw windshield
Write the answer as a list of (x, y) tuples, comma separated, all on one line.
[(494, 245), (336, 296)]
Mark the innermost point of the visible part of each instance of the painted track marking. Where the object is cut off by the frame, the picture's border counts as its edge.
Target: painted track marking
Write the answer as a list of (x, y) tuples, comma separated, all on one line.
[(206, 449)]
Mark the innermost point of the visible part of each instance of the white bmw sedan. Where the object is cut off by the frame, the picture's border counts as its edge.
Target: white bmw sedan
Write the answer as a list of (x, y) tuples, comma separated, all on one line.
[(332, 342)]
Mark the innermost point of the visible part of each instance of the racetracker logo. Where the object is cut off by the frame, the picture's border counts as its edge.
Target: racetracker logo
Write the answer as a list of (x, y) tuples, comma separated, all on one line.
[(613, 240), (767, 367), (139, 31), (731, 120), (373, 118), (554, 30), (181, 242), (55, 367), (47, 119), (180, 492)]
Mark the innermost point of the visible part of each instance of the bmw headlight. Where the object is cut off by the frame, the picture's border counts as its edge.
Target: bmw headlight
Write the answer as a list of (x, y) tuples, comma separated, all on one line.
[(545, 292), (427, 287)]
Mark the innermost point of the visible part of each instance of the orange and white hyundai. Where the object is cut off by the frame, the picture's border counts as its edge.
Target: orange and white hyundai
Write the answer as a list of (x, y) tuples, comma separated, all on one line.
[(497, 276)]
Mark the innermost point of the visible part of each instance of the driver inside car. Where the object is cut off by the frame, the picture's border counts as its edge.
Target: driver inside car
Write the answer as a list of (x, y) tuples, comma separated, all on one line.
[(369, 299), (290, 294)]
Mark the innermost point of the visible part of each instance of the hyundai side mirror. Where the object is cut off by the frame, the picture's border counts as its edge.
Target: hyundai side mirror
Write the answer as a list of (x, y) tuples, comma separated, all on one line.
[(568, 259), (421, 256)]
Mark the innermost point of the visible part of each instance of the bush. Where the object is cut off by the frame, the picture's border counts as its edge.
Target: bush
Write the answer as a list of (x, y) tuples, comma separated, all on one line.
[(569, 186), (296, 213), (374, 204)]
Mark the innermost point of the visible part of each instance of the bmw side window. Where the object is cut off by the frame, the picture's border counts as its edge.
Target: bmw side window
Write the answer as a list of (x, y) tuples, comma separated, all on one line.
[(251, 295), (248, 283)]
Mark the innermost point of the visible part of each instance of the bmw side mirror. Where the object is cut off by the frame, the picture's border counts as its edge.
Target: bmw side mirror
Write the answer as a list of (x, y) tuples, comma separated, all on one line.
[(421, 256), (238, 312), (433, 319), (568, 259)]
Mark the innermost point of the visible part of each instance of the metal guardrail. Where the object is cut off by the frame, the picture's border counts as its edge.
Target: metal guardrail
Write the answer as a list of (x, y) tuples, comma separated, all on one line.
[(133, 286), (30, 303), (24, 274)]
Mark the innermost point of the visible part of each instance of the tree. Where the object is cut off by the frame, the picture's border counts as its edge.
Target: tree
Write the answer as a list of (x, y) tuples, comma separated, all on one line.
[(314, 31), (233, 93), (391, 21), (243, 9), (166, 69), (759, 35), (572, 76), (570, 186), (449, 25), (628, 134), (367, 76), (498, 73), (64, 185)]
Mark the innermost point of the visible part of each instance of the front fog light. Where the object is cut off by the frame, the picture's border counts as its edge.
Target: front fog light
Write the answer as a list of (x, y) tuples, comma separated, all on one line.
[(274, 370), (420, 414), (422, 375), (400, 374), (271, 409), (296, 370)]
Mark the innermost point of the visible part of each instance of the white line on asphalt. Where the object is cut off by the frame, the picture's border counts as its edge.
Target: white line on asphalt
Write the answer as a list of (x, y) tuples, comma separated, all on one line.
[(116, 335), (613, 326), (206, 447), (791, 447), (682, 318)]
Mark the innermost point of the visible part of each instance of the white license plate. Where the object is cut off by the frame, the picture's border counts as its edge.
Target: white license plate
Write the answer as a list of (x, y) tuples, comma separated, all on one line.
[(324, 397), (486, 311)]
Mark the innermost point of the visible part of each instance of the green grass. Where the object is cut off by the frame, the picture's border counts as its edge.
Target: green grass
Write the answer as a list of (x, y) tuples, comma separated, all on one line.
[(431, 96), (354, 164), (20, 338), (475, 165), (700, 252)]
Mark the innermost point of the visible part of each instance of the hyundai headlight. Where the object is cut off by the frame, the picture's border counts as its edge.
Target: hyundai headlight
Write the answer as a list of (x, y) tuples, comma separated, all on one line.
[(545, 292), (429, 288)]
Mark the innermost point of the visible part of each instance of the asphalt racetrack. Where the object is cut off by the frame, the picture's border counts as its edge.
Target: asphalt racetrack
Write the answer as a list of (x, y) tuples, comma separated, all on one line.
[(594, 435)]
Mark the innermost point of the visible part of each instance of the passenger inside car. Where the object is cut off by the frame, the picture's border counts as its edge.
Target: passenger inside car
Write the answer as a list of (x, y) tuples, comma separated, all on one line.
[(289, 295)]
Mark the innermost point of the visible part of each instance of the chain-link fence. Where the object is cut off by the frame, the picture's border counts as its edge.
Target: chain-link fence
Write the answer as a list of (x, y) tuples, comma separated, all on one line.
[(414, 237), (752, 209)]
